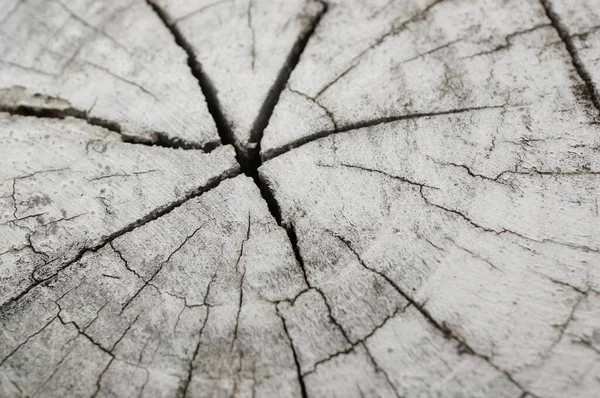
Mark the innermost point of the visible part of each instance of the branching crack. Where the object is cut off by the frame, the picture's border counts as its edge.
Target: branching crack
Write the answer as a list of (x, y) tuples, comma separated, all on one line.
[(268, 196), (562, 328), (501, 231), (160, 267), (464, 167), (124, 260), (247, 153), (316, 102), (10, 354), (361, 341), (187, 381), (476, 255), (508, 40), (153, 215), (391, 32), (249, 157), (445, 329)]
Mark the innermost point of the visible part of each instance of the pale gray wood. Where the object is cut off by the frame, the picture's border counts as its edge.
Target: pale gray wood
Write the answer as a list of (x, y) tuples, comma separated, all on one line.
[(110, 61), (67, 186), (183, 304), (243, 46), (579, 22), (434, 57), (438, 204), (487, 221)]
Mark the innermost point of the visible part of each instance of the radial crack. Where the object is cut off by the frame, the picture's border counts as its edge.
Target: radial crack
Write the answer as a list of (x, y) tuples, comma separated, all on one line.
[(153, 215), (250, 157), (565, 36), (275, 152), (156, 138), (294, 354)]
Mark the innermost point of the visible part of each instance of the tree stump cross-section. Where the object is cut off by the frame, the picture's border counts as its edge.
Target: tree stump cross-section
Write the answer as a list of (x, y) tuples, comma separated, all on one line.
[(300, 198)]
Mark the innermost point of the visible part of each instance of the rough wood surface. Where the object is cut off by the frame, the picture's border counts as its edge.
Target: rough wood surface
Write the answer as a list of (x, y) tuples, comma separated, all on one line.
[(578, 23), (435, 57), (245, 49), (419, 215), (486, 222), (66, 186), (111, 62), (186, 303)]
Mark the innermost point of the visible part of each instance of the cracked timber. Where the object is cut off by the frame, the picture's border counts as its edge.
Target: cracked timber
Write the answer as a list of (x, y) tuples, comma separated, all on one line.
[(300, 198)]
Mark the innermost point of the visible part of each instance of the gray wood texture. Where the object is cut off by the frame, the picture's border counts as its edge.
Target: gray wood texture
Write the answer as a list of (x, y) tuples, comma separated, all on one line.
[(253, 198)]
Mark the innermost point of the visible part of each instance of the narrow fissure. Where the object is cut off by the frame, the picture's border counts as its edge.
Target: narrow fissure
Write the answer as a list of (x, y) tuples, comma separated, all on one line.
[(153, 215), (156, 139), (275, 210), (60, 114), (206, 85), (252, 160), (273, 153), (565, 36), (303, 392), (248, 156)]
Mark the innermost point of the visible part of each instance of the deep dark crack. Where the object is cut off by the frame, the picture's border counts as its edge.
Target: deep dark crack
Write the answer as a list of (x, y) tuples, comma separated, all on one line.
[(294, 354), (154, 139), (41, 112), (206, 85), (567, 39), (248, 155)]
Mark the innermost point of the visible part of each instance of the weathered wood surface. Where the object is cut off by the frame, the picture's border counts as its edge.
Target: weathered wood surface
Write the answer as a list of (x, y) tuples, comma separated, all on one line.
[(245, 49), (578, 23), (67, 186), (184, 303), (111, 62), (425, 222), (433, 57), (489, 227)]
